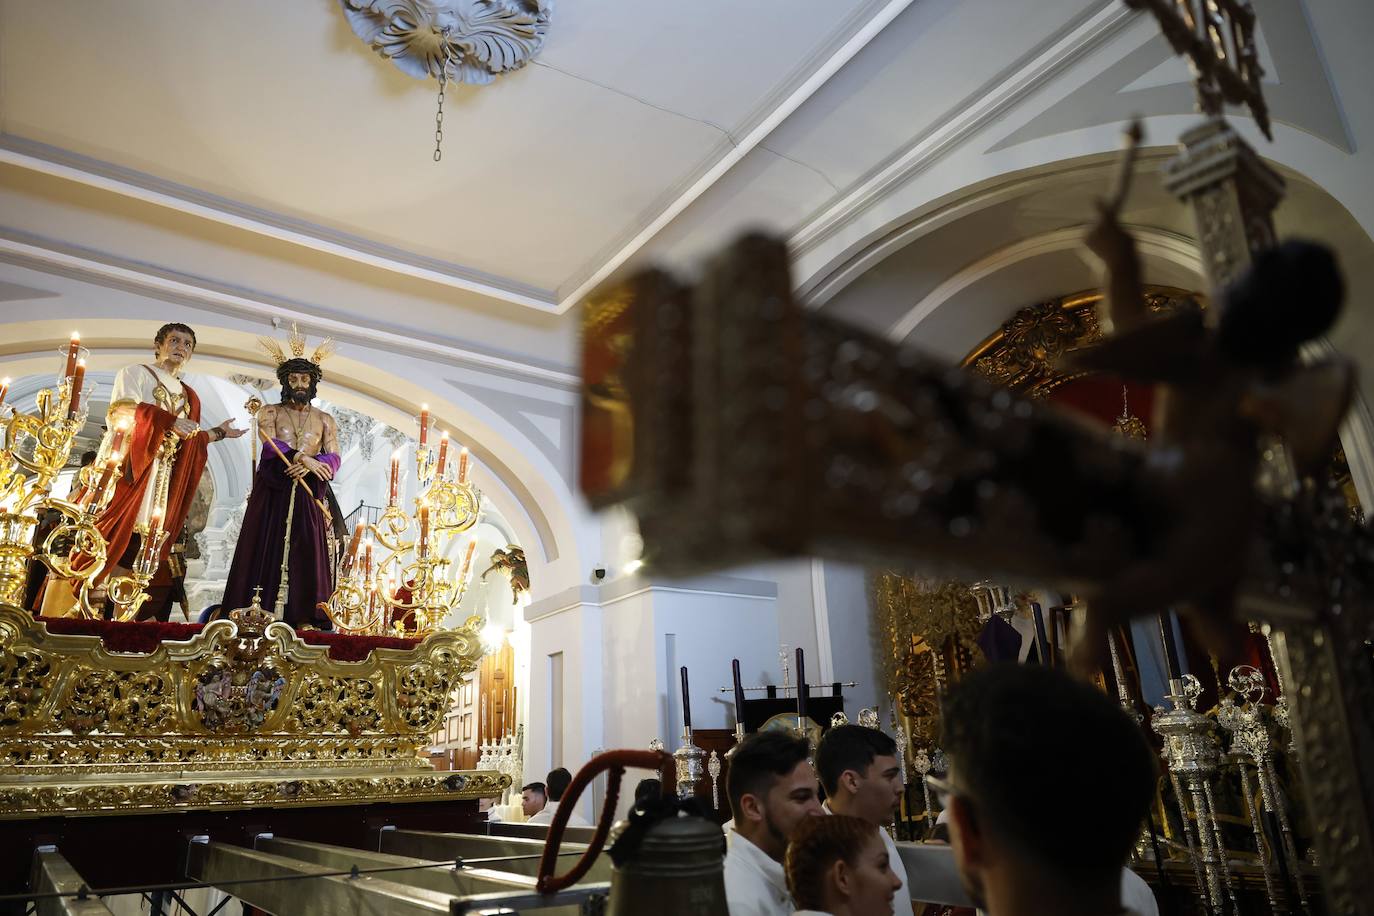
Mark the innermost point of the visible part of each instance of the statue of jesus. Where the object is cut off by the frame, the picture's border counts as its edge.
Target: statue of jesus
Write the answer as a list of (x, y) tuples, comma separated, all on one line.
[(299, 444)]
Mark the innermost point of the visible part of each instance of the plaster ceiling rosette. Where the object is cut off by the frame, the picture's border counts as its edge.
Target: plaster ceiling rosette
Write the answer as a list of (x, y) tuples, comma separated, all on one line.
[(478, 39)]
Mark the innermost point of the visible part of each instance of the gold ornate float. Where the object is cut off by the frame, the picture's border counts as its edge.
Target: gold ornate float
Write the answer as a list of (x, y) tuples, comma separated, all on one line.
[(243, 713)]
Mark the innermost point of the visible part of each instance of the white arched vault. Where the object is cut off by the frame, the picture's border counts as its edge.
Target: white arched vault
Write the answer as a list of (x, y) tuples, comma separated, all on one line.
[(527, 490), (945, 274)]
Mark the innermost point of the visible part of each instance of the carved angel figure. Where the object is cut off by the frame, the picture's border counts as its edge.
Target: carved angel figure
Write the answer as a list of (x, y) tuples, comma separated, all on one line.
[(511, 561), (1221, 389)]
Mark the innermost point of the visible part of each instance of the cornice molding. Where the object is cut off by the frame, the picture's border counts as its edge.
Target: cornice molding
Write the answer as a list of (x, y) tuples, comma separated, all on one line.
[(96, 173), (993, 100), (117, 273)]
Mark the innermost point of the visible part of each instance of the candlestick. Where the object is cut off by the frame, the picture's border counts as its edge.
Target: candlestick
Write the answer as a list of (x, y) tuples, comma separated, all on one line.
[(467, 559), (73, 349), (463, 466), (443, 455), (120, 431), (395, 478), (77, 380), (367, 559), (739, 691), (424, 424), (154, 532), (505, 714), (801, 689), (514, 708), (110, 464), (357, 539), (686, 701)]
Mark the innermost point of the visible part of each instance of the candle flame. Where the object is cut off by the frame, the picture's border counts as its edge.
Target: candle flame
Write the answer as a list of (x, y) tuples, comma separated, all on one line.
[(76, 336), (81, 362), (443, 435), (6, 380)]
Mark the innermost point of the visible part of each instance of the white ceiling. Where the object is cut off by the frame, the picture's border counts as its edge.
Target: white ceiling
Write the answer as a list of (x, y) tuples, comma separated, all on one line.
[(274, 114), (644, 130)]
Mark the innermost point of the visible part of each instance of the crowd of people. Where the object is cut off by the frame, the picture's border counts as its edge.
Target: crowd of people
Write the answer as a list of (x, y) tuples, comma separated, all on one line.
[(1046, 791)]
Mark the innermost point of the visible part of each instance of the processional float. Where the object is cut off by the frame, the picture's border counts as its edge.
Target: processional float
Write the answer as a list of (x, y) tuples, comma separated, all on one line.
[(737, 425)]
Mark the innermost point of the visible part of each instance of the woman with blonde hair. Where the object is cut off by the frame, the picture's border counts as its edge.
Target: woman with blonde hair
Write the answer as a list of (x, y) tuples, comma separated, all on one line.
[(839, 866)]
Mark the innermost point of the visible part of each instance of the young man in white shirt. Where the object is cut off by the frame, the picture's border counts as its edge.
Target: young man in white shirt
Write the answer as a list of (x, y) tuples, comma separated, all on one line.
[(555, 784), (533, 798), (772, 788), (1011, 730), (862, 778)]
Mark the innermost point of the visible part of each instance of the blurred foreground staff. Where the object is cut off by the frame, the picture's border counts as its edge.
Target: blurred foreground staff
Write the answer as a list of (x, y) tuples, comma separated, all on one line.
[(737, 425)]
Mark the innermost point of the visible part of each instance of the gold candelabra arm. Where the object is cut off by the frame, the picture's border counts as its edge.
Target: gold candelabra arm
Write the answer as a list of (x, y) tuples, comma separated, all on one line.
[(129, 592), (353, 609)]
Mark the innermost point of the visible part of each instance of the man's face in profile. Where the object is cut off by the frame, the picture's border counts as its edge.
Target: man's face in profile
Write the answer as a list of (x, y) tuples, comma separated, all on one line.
[(532, 802)]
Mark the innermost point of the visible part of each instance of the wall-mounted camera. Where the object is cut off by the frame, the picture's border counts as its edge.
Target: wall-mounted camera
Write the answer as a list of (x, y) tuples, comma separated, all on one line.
[(598, 575)]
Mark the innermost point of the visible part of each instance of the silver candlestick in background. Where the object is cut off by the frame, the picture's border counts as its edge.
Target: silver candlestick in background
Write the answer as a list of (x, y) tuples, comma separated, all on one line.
[(1193, 756), (690, 759)]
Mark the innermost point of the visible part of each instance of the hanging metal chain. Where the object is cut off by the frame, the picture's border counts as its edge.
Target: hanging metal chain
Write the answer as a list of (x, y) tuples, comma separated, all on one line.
[(439, 118), (443, 84)]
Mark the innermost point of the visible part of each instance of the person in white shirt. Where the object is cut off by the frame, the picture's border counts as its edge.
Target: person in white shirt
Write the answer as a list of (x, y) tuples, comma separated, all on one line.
[(772, 788), (533, 798), (862, 778), (556, 783), (840, 866), (1008, 732)]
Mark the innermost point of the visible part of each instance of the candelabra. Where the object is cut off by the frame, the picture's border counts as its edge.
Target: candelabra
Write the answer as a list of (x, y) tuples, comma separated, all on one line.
[(410, 589), (1192, 754), (36, 448), (1251, 737)]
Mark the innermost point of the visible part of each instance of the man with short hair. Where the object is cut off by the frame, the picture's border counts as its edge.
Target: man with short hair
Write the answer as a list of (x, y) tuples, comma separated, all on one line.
[(155, 416), (533, 798), (1012, 730), (556, 783), (862, 777), (772, 788)]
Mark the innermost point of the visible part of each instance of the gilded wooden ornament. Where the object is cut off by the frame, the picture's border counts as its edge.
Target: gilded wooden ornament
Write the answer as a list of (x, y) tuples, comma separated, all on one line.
[(239, 697), (1025, 354)]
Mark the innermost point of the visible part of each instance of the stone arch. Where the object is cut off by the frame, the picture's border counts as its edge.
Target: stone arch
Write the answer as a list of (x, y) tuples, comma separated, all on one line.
[(532, 497)]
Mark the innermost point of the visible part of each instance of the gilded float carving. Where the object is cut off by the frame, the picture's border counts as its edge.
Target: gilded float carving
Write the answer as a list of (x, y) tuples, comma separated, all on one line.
[(86, 719)]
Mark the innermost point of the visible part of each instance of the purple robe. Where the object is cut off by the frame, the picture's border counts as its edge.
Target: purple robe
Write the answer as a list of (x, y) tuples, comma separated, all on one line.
[(258, 553)]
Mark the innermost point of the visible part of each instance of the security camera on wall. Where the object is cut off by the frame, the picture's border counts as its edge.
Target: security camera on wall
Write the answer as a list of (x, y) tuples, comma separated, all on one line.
[(598, 575)]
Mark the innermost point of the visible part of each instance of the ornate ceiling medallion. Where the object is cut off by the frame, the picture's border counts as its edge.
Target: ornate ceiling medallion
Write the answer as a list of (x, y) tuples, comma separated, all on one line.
[(469, 41)]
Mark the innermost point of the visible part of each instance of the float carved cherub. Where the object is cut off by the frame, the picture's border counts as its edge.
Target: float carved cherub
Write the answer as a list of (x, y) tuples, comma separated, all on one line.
[(511, 561), (1221, 390)]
